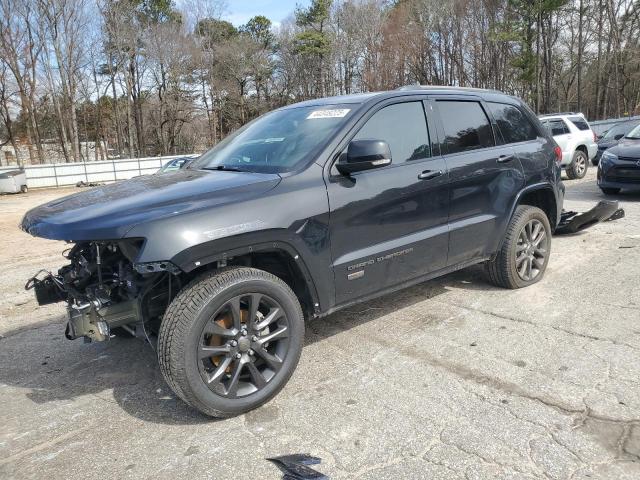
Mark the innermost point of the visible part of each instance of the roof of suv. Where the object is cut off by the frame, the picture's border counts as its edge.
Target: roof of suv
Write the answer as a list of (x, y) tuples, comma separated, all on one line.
[(360, 98)]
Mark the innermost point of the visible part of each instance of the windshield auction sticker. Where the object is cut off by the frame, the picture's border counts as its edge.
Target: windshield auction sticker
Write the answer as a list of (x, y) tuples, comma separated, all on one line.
[(334, 113)]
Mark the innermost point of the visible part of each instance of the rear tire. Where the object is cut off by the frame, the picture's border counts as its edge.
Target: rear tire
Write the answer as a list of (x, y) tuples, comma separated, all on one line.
[(525, 249), (230, 340), (24, 189), (610, 191), (578, 167)]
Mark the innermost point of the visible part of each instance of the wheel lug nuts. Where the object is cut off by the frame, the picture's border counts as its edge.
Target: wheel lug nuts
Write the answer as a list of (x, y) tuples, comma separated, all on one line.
[(238, 355), (234, 343), (254, 338), (243, 332), (251, 352)]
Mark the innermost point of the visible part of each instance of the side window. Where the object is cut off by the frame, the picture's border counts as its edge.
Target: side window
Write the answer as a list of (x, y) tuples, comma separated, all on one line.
[(466, 126), (513, 125), (556, 127), (404, 127), (580, 122)]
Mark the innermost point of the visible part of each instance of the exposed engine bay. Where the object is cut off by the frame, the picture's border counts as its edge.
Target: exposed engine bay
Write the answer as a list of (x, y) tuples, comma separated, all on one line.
[(105, 290)]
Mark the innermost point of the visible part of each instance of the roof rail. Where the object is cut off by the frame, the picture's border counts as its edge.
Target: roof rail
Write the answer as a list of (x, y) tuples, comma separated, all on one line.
[(562, 113), (410, 87)]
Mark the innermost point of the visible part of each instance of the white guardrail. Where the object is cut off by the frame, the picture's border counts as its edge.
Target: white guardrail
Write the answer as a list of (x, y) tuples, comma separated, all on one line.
[(66, 174)]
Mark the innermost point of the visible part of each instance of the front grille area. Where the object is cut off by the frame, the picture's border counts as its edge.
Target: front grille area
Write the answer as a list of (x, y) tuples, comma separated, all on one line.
[(629, 159), (630, 174)]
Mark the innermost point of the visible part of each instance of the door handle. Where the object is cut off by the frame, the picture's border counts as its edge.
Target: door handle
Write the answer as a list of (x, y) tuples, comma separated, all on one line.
[(429, 174), (505, 158)]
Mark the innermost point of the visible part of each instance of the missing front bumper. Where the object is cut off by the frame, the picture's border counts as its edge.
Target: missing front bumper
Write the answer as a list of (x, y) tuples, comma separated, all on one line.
[(573, 222)]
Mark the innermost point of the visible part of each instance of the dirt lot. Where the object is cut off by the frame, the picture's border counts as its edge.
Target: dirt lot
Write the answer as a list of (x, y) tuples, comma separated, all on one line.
[(449, 379)]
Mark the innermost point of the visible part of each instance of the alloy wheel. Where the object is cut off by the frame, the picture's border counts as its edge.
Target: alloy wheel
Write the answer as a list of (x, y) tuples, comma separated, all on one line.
[(581, 165), (243, 346), (531, 250)]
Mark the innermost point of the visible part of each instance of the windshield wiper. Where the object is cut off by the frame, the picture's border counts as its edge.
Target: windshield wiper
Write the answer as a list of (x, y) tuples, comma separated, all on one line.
[(225, 168)]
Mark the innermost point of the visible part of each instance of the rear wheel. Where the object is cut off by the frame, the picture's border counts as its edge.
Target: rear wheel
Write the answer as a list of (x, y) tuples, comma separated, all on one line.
[(524, 255), (610, 191), (578, 166), (230, 340), (24, 189)]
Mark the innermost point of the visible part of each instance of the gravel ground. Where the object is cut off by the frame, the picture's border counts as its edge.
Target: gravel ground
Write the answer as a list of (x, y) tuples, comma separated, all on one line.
[(449, 379)]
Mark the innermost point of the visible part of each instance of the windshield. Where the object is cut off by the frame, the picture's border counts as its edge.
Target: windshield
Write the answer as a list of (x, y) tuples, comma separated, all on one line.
[(619, 129), (277, 142), (634, 134)]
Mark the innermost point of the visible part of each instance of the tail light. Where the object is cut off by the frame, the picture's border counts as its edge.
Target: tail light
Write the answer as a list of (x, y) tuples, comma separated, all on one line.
[(558, 151)]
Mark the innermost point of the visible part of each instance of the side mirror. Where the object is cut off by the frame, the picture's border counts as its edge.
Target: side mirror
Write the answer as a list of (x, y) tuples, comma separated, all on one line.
[(619, 136), (364, 155)]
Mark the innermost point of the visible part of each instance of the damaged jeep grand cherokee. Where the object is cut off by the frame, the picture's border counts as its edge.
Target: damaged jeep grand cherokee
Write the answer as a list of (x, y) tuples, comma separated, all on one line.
[(303, 211)]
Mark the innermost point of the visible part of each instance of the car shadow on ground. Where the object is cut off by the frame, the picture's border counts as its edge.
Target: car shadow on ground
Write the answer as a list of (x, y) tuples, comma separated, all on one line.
[(55, 369)]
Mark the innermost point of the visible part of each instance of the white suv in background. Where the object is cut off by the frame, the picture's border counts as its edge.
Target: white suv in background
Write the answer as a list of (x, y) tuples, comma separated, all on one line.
[(572, 133)]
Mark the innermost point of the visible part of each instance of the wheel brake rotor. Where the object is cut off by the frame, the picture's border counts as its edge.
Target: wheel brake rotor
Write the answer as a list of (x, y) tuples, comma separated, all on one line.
[(225, 321)]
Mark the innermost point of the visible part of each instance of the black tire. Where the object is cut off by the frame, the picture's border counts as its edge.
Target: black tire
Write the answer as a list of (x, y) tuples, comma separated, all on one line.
[(503, 269), (24, 189), (610, 191), (578, 167), (595, 161), (183, 336)]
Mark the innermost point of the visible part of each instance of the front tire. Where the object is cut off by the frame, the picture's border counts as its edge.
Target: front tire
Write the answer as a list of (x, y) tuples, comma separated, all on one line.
[(524, 255), (230, 340), (578, 167), (610, 191)]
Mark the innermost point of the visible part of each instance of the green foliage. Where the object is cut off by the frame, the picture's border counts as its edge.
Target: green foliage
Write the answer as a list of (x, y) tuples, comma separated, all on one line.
[(315, 15), (158, 11), (259, 29), (311, 42), (215, 31)]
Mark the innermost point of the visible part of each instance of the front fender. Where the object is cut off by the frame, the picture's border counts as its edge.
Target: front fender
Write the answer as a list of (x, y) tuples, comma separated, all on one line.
[(277, 240)]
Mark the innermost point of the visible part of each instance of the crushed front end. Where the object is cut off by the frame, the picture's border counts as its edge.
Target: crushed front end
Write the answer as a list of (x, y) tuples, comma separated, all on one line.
[(105, 290)]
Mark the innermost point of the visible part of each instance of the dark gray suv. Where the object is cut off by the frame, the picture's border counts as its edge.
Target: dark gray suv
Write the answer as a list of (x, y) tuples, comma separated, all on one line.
[(302, 212)]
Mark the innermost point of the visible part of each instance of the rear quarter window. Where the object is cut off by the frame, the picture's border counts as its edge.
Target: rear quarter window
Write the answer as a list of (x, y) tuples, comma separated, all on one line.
[(555, 127), (513, 125), (580, 123)]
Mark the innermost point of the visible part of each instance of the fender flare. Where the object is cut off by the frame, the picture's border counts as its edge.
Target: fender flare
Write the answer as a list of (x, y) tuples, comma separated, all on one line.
[(529, 189), (533, 188), (221, 249)]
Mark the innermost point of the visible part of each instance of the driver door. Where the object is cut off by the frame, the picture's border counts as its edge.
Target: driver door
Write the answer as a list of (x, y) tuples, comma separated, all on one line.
[(389, 225)]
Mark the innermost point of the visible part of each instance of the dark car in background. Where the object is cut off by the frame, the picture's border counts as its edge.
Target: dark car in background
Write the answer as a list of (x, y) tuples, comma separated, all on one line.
[(175, 164), (619, 166), (612, 137)]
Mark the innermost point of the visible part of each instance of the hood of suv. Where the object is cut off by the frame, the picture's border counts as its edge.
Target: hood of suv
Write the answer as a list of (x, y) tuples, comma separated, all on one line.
[(627, 147), (109, 212)]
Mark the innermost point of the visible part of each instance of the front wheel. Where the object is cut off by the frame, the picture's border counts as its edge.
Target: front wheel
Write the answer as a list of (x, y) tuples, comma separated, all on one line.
[(230, 340), (578, 166), (524, 255), (610, 191)]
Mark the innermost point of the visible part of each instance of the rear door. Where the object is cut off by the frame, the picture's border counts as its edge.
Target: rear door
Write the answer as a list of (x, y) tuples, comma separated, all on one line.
[(389, 225), (484, 177), (534, 150)]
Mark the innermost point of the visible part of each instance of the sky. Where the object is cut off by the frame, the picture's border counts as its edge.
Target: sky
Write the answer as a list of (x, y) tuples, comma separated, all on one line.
[(239, 11)]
